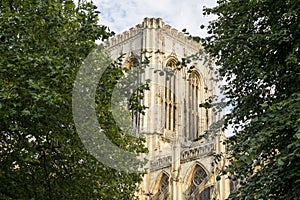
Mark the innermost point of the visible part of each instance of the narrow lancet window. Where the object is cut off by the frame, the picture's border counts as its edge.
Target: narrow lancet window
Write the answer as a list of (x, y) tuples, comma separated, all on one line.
[(194, 111), (170, 97)]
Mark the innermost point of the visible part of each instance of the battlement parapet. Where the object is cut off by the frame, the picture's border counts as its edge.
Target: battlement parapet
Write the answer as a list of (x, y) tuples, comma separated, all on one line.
[(153, 23), (186, 155)]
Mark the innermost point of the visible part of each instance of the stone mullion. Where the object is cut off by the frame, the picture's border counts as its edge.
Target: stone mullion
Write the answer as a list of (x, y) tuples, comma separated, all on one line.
[(171, 103), (174, 103), (193, 109), (190, 111)]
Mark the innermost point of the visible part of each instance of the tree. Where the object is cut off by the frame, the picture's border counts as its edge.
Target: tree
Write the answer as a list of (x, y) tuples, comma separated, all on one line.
[(256, 44), (43, 44)]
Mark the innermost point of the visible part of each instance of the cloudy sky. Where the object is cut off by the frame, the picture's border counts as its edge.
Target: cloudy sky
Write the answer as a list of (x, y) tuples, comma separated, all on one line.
[(120, 15)]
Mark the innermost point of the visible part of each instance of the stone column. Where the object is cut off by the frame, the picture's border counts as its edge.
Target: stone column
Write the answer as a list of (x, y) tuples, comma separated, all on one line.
[(175, 173)]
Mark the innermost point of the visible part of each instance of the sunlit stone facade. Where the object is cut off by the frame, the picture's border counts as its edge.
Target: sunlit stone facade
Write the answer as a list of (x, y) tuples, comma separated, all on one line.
[(180, 167)]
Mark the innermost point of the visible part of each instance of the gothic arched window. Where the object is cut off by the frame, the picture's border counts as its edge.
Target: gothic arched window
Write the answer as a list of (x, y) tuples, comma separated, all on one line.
[(194, 101), (163, 189), (170, 98), (132, 61), (199, 175), (195, 191), (205, 194)]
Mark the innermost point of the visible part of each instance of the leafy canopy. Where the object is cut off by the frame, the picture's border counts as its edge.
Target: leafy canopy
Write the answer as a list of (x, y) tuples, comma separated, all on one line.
[(43, 44), (256, 44)]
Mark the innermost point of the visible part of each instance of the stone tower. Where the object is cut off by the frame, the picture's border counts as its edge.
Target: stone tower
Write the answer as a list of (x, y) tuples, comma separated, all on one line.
[(180, 165)]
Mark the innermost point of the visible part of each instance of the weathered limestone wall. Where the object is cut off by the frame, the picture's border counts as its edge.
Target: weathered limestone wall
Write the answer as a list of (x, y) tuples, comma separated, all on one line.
[(171, 151)]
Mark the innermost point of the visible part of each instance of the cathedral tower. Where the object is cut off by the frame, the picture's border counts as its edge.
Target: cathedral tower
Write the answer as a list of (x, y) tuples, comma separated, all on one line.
[(181, 166)]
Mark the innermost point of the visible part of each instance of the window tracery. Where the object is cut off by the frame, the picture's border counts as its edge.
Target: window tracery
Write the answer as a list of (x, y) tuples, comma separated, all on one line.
[(170, 98), (163, 190), (196, 191), (199, 176), (133, 61), (194, 101)]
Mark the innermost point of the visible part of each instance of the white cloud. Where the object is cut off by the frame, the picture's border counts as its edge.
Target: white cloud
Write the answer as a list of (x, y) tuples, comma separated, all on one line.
[(120, 15)]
